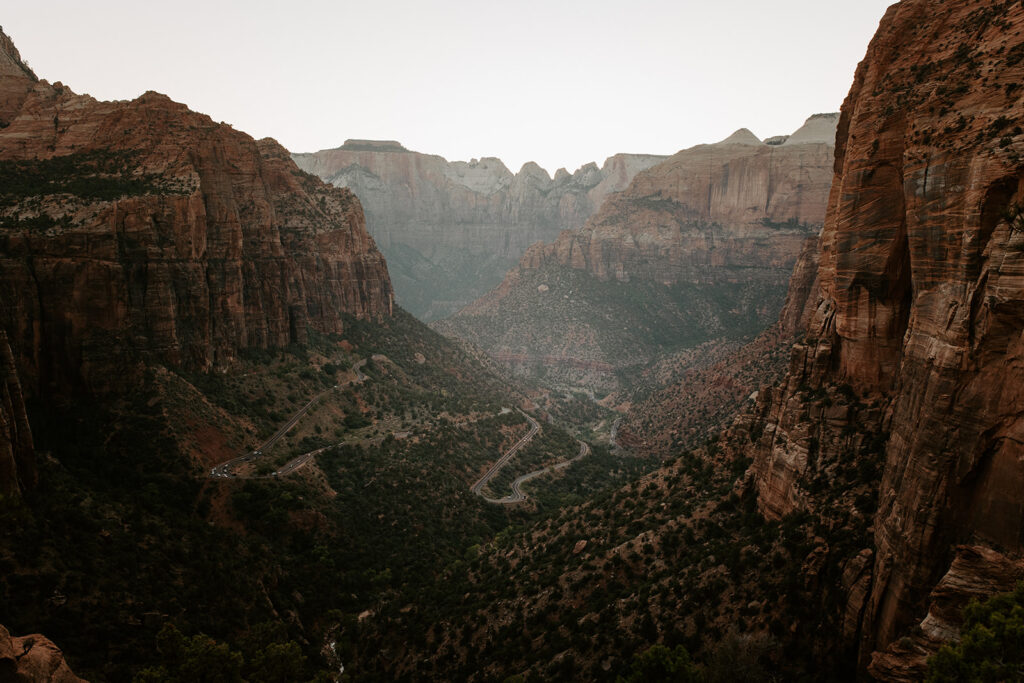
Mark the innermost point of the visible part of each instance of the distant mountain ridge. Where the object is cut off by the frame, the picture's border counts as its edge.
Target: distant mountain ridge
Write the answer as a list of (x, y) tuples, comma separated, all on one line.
[(450, 229)]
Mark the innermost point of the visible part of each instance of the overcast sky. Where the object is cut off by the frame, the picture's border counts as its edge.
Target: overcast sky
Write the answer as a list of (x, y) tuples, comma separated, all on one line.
[(558, 82)]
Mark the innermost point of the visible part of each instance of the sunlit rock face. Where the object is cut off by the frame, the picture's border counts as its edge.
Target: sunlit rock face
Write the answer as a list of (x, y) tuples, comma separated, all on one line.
[(921, 309), (450, 229), (142, 231)]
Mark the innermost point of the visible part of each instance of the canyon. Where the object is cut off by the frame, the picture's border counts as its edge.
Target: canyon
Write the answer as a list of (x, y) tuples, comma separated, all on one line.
[(450, 229), (810, 347), (888, 455), (698, 247)]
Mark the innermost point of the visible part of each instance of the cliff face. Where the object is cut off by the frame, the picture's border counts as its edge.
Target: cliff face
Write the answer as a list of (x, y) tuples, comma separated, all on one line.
[(699, 247), (434, 218), (17, 456), (921, 310), (134, 231), (738, 203), (16, 80)]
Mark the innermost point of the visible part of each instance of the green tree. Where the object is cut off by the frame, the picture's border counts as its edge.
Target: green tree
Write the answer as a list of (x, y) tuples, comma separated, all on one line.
[(659, 664), (991, 646), (278, 663), (192, 659)]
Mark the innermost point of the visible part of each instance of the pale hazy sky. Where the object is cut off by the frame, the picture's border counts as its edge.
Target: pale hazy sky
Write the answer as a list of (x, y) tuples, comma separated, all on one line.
[(559, 82)]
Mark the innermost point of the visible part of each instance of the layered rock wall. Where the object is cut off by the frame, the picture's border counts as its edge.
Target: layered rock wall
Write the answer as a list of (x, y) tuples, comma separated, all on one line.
[(699, 247), (922, 304), (138, 231), (432, 216), (734, 209)]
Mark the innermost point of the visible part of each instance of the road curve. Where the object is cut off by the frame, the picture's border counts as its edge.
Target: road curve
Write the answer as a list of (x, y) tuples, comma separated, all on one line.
[(482, 481), (517, 494), (225, 470), (517, 490)]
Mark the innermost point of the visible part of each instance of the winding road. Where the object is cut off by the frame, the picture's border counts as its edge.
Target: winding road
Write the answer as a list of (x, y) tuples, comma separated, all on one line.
[(226, 470), (517, 494), (482, 481), (517, 491)]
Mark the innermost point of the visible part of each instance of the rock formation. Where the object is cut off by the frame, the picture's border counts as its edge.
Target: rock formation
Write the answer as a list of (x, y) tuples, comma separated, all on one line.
[(16, 80), (450, 230), (32, 659), (920, 316), (735, 204), (710, 235), (142, 231)]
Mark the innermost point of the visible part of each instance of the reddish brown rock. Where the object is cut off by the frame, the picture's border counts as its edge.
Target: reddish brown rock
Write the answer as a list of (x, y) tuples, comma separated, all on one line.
[(143, 231), (975, 574), (16, 80), (32, 659), (922, 303)]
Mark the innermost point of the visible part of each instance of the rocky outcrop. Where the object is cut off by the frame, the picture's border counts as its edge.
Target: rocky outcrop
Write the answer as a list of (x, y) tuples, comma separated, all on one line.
[(699, 247), (451, 229), (921, 310), (17, 455), (32, 659), (976, 573), (142, 231), (707, 210)]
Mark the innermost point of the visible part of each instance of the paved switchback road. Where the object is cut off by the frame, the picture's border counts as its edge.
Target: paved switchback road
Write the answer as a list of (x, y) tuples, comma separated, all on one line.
[(517, 490), (482, 481), (227, 469), (517, 494)]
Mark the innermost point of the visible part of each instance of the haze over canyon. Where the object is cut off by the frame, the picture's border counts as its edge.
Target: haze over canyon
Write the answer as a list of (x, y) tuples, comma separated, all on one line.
[(750, 410)]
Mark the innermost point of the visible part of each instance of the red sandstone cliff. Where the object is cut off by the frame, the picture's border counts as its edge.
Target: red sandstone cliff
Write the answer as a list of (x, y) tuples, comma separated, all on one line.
[(920, 315), (142, 231)]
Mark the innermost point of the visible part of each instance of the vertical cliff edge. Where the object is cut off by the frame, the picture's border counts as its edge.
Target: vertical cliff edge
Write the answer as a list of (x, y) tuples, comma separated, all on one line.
[(915, 353)]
